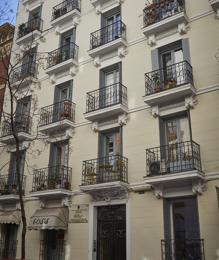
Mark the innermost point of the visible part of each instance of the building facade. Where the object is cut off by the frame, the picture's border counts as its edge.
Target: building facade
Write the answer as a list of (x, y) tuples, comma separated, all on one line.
[(119, 131), (6, 40)]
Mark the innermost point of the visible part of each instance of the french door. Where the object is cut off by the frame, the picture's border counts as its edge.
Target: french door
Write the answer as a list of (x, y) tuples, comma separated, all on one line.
[(182, 229), (109, 93), (172, 73), (111, 232), (113, 27), (177, 150), (67, 48)]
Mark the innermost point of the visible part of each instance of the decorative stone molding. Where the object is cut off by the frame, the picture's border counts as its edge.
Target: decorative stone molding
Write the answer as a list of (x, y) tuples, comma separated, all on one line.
[(152, 40), (199, 188), (52, 79), (76, 21), (123, 119), (95, 127), (155, 111), (190, 102), (97, 61), (182, 28), (11, 148), (67, 134), (98, 9), (73, 71), (66, 202), (122, 51), (158, 192), (57, 30), (110, 194)]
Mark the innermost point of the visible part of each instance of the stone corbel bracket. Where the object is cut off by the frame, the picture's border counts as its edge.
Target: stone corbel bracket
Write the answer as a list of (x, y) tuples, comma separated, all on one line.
[(155, 111), (152, 40), (123, 119), (199, 188), (182, 28), (190, 102), (97, 62), (52, 79), (158, 192), (74, 70), (95, 127), (122, 52)]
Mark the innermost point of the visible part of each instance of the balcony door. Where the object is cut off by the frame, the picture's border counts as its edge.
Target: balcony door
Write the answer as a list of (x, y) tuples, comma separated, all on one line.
[(111, 232), (59, 155), (28, 63), (172, 73), (8, 240), (177, 151), (109, 86), (181, 224), (66, 43), (22, 120)]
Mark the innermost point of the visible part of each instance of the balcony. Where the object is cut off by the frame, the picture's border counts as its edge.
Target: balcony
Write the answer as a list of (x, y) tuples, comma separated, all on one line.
[(29, 31), (106, 102), (8, 249), (65, 11), (215, 6), (182, 249), (62, 58), (103, 5), (108, 39), (9, 187), (57, 117), (54, 181), (169, 84), (162, 16), (174, 165), (22, 126), (24, 74), (105, 174)]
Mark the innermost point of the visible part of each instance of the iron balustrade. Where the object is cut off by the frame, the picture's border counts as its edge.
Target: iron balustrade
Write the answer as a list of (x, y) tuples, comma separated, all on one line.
[(156, 12), (64, 53), (105, 169), (54, 250), (172, 76), (174, 249), (108, 34), (25, 70), (30, 26), (51, 178), (106, 96), (57, 112), (22, 123), (173, 158), (8, 249), (9, 184), (65, 7)]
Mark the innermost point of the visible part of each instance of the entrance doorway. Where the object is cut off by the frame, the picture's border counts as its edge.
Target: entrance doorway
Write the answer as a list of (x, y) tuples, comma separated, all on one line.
[(111, 232)]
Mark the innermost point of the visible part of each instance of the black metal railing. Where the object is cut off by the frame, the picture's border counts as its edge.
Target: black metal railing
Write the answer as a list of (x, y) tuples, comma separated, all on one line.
[(22, 123), (106, 96), (9, 184), (65, 52), (105, 169), (65, 7), (8, 249), (25, 70), (156, 12), (174, 249), (51, 178), (108, 34), (30, 26), (54, 250), (170, 77), (57, 112), (173, 158)]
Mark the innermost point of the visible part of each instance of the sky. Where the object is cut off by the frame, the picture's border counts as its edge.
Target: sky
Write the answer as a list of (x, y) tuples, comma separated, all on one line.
[(13, 5)]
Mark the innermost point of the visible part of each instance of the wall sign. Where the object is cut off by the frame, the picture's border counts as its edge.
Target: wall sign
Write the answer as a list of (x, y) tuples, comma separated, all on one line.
[(79, 213)]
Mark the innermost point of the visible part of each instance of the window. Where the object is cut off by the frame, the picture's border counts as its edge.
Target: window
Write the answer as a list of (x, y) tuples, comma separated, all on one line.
[(59, 153)]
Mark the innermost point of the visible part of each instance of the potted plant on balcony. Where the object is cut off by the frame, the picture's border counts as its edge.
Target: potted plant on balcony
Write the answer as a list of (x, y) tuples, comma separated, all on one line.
[(67, 185), (170, 83), (66, 110), (156, 82), (14, 188), (51, 184)]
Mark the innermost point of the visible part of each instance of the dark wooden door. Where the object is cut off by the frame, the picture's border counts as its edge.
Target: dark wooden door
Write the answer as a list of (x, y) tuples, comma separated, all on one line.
[(111, 233)]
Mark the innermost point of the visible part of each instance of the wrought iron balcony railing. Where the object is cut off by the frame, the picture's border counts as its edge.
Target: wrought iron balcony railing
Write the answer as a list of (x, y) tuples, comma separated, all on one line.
[(25, 70), (9, 184), (108, 34), (173, 158), (173, 249), (51, 178), (54, 249), (105, 97), (105, 169), (65, 7), (156, 12), (57, 112), (30, 26), (22, 123), (64, 53), (8, 249), (170, 77)]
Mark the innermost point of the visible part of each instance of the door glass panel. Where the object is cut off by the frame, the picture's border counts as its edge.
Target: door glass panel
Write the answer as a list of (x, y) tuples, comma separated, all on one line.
[(111, 92)]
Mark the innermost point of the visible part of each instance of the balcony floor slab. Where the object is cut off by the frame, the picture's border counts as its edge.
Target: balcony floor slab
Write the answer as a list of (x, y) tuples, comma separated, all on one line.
[(57, 126)]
